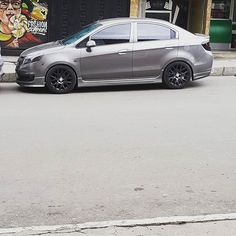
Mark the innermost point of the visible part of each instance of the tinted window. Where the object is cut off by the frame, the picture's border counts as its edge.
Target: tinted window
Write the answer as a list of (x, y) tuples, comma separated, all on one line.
[(147, 32), (73, 38), (113, 35)]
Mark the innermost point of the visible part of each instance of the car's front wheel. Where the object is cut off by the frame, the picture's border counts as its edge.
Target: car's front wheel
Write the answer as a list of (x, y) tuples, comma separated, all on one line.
[(60, 79), (177, 75)]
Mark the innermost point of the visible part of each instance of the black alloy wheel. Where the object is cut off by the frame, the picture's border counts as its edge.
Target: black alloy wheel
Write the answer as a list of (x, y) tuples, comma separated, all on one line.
[(60, 79), (177, 75)]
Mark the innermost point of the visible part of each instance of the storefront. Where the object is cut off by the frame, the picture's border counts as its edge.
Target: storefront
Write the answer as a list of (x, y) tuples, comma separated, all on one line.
[(193, 15), (223, 24), (175, 11), (25, 23), (214, 17)]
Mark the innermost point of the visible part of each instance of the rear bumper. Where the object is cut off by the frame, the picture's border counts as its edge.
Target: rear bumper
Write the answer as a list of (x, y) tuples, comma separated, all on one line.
[(201, 75), (203, 66)]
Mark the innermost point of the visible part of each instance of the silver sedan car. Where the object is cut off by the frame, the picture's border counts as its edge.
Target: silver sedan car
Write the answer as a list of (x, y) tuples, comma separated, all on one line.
[(116, 52)]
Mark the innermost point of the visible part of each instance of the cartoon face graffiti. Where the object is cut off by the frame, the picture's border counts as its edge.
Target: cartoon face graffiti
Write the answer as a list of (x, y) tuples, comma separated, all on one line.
[(15, 18), (9, 8), (39, 12), (35, 10), (12, 20)]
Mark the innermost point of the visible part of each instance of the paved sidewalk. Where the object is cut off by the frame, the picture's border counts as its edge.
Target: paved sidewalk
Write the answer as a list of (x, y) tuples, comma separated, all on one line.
[(9, 68), (224, 65)]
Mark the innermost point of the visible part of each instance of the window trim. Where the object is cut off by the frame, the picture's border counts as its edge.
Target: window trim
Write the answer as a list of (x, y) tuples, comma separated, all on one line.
[(78, 44), (155, 40), (109, 26)]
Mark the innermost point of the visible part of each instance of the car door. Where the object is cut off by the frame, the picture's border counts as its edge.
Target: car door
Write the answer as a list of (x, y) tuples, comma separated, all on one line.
[(111, 58), (155, 45)]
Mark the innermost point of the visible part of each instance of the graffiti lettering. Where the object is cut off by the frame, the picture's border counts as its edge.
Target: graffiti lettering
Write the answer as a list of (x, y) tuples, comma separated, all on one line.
[(38, 27)]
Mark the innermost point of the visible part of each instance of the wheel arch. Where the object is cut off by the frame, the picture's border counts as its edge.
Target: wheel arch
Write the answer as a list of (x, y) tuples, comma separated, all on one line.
[(61, 87), (178, 60), (62, 64)]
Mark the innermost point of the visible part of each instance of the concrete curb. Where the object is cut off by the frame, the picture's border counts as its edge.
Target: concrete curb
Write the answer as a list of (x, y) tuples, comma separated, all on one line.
[(73, 228), (229, 71), (9, 77), (223, 71)]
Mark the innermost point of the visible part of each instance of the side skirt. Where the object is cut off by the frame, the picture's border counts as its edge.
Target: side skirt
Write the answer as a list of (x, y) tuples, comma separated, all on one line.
[(83, 83)]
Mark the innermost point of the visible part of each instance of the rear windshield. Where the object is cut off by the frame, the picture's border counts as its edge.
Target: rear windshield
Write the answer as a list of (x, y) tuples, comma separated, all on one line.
[(73, 38)]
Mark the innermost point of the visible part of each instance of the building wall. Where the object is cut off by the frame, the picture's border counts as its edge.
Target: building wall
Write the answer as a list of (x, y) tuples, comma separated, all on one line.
[(48, 20), (197, 15), (61, 15), (200, 14)]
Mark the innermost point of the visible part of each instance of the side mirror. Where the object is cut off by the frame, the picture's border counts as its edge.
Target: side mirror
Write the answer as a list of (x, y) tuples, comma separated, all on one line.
[(91, 44)]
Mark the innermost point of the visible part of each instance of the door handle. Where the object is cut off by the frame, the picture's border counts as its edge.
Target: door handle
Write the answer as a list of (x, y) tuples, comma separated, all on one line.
[(169, 48), (123, 52)]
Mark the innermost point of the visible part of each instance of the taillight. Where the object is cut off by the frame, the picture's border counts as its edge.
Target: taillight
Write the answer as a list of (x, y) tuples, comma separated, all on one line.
[(207, 46)]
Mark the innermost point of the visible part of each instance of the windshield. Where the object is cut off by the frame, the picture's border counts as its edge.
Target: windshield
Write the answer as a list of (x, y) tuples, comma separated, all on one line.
[(73, 38)]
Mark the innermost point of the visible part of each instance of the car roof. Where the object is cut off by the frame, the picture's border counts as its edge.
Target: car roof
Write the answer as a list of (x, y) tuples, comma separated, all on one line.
[(111, 21), (108, 22), (132, 19)]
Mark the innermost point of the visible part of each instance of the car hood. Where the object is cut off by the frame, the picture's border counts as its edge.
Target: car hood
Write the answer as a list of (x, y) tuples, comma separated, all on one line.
[(43, 49)]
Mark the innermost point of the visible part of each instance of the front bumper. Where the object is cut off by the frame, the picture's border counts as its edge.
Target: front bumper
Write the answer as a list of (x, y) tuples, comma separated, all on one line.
[(27, 75), (1, 66), (28, 79)]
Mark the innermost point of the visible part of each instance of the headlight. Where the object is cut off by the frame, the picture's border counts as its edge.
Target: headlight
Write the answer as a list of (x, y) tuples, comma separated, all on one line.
[(30, 60), (27, 61), (37, 58)]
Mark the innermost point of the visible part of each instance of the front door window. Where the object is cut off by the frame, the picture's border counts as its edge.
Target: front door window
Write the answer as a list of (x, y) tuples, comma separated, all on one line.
[(113, 35)]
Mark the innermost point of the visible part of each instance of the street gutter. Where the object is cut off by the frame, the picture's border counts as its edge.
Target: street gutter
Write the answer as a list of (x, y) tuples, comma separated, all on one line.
[(73, 228)]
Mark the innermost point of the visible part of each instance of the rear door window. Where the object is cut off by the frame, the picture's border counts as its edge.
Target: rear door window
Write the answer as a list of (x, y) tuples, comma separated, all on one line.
[(150, 32)]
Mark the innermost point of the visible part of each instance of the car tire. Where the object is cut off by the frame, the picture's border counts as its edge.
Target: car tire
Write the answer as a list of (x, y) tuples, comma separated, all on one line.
[(60, 79), (177, 75)]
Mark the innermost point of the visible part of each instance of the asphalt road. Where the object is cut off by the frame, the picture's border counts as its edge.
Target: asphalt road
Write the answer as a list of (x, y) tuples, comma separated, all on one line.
[(117, 153)]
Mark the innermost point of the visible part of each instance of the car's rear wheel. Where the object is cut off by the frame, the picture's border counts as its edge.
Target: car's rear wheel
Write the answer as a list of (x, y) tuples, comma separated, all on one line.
[(60, 79), (177, 75)]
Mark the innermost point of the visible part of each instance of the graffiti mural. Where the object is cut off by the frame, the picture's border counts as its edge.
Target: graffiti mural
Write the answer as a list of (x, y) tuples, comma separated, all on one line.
[(23, 23)]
